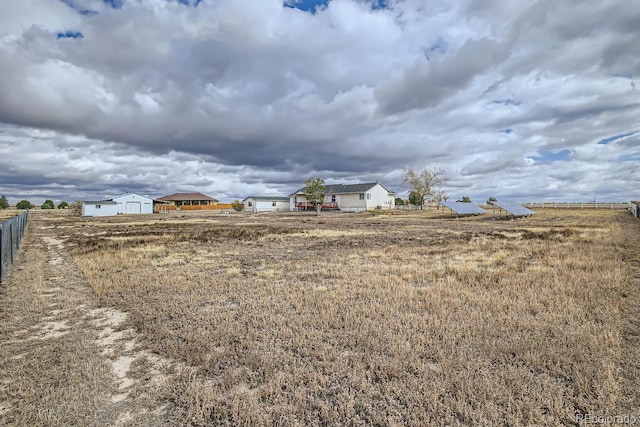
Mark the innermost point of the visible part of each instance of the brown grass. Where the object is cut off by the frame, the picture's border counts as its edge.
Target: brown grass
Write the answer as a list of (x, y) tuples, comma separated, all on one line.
[(403, 319), (9, 213)]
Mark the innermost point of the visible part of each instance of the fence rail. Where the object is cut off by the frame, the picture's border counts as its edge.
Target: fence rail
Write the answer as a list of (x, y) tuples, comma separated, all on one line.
[(570, 205), (634, 209), (11, 232)]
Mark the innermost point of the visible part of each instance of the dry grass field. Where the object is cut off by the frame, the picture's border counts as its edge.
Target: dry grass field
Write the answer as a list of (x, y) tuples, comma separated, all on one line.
[(9, 213), (406, 318)]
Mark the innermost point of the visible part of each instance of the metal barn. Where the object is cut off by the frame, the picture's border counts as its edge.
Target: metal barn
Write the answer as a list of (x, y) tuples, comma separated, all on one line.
[(128, 203)]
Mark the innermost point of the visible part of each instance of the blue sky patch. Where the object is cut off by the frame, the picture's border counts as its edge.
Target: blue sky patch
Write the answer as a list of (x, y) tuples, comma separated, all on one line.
[(116, 4), (191, 3), (378, 4), (508, 131), (552, 156), (313, 5), (69, 35), (306, 5), (609, 140), (73, 4)]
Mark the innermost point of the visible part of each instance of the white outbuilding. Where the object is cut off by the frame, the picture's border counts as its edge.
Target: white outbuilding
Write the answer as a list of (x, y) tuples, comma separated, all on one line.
[(128, 203), (265, 204)]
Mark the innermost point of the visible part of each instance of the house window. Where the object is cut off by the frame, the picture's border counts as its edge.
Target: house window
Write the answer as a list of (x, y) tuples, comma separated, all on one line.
[(361, 196), (368, 196), (250, 204), (333, 198), (98, 206), (273, 204)]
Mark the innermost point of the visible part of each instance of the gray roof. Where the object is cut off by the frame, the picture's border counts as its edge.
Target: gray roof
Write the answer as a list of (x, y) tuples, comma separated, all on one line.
[(110, 201), (275, 198), (347, 188), (99, 202)]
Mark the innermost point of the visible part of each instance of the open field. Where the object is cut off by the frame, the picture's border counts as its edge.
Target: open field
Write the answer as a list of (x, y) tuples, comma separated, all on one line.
[(407, 318), (9, 213)]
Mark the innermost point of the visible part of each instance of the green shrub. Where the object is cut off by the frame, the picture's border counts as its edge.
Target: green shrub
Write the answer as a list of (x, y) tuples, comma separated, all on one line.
[(24, 204)]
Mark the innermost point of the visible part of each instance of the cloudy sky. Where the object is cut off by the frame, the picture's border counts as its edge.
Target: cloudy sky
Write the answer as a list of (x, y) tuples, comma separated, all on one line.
[(522, 100)]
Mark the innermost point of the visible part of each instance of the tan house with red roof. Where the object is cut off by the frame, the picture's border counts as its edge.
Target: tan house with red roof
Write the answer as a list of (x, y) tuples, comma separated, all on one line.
[(186, 201)]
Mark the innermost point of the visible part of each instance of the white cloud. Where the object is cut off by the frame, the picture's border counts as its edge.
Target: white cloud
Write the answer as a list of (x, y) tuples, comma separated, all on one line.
[(233, 98)]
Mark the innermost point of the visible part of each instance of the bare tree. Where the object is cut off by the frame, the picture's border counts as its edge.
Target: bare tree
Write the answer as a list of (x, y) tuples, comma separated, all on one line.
[(424, 183), (439, 196)]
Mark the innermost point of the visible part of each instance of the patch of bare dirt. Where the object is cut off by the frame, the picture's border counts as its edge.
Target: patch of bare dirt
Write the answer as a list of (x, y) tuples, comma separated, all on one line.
[(64, 360)]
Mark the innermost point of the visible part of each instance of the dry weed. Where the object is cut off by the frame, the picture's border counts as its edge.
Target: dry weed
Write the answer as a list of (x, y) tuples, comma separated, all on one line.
[(404, 319)]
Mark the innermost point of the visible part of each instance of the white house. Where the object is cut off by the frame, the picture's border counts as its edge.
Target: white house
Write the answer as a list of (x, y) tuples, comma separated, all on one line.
[(348, 197), (128, 203), (266, 204)]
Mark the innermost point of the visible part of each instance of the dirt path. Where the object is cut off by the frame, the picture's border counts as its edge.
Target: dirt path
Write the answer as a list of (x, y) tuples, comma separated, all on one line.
[(63, 359)]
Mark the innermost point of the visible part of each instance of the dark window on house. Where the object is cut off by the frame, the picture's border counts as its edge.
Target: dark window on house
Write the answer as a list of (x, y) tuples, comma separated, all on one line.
[(361, 196), (368, 196), (273, 204), (333, 198), (98, 206), (250, 204)]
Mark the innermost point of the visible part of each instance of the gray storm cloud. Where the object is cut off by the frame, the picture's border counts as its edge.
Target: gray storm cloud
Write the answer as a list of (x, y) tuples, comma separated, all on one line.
[(248, 97)]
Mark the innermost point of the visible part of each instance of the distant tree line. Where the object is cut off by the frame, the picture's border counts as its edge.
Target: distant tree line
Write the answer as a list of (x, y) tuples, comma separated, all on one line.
[(26, 204)]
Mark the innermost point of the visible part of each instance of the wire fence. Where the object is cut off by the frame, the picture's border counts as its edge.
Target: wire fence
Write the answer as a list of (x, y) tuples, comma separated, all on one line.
[(578, 205), (11, 232)]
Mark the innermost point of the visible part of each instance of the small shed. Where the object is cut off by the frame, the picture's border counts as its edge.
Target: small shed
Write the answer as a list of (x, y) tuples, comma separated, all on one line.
[(266, 204), (128, 203)]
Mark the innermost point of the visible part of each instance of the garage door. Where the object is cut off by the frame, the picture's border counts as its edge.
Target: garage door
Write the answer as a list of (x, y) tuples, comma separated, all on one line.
[(133, 208)]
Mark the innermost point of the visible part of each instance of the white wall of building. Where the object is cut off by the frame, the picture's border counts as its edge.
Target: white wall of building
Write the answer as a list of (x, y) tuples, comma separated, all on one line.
[(379, 197), (252, 204), (352, 202), (129, 203), (134, 204), (103, 208)]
